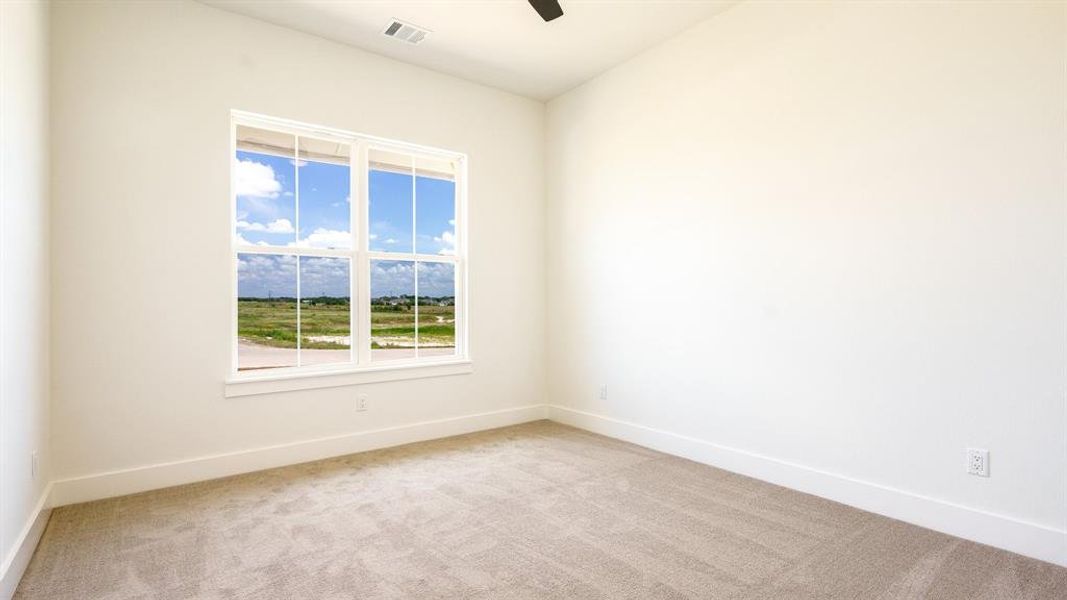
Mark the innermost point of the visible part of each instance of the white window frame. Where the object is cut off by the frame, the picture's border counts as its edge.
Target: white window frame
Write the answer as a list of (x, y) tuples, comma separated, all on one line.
[(360, 369)]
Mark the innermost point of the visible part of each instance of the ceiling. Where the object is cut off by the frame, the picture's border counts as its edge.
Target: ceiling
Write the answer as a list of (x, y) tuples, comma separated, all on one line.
[(500, 43)]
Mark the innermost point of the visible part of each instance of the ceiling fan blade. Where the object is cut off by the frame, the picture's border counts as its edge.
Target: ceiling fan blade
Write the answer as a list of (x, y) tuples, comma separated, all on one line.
[(548, 9)]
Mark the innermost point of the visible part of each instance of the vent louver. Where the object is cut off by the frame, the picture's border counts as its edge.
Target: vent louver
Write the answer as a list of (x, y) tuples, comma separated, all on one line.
[(405, 32)]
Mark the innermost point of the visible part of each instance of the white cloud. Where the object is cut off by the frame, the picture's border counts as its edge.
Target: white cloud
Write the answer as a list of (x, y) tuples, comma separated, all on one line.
[(275, 226), (447, 240), (374, 236), (437, 279), (392, 278), (260, 275), (390, 241), (397, 278), (326, 238), (452, 222), (256, 180), (323, 276), (241, 241)]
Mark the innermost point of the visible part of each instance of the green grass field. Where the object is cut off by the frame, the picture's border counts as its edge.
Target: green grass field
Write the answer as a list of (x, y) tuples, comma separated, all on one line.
[(273, 323)]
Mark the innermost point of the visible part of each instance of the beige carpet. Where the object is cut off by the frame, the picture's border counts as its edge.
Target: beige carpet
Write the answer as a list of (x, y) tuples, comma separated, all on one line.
[(534, 511)]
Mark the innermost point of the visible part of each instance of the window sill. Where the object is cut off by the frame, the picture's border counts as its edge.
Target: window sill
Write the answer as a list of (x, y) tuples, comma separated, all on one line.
[(248, 385)]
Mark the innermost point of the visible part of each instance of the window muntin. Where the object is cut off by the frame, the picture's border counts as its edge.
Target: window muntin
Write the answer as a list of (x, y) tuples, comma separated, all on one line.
[(331, 248)]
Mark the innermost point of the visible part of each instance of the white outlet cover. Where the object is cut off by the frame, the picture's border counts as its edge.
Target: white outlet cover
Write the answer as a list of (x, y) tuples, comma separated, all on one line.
[(978, 462)]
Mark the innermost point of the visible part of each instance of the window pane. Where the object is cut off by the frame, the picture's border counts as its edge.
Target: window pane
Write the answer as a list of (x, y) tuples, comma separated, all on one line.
[(392, 309), (325, 317), (391, 202), (324, 194), (264, 182), (435, 213), (437, 309), (266, 311)]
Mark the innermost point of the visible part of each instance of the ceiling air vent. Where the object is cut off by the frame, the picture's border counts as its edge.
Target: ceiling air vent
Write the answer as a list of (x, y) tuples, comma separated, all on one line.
[(405, 32)]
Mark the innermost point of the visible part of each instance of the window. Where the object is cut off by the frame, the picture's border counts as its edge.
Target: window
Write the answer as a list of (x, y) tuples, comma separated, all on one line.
[(348, 251)]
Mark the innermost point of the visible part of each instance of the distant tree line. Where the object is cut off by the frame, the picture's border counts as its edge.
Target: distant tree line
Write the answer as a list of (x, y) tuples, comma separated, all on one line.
[(381, 302), (407, 301), (327, 300), (268, 299), (323, 300)]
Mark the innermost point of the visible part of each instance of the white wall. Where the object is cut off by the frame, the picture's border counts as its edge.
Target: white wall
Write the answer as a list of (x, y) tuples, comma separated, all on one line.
[(830, 234), (23, 274), (141, 311)]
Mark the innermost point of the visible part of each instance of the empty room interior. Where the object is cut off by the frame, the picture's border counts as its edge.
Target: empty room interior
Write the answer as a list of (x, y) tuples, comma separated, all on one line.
[(533, 299)]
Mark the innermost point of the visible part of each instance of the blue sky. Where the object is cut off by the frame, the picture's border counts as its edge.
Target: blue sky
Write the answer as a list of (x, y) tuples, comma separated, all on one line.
[(391, 213), (266, 201), (325, 205)]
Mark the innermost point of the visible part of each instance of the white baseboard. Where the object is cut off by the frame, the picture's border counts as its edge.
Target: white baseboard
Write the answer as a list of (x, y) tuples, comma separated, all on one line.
[(1029, 539), (15, 562), (150, 477)]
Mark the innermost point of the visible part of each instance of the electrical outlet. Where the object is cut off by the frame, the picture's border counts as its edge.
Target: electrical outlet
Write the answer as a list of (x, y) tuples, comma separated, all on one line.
[(603, 392), (978, 462), (34, 464), (361, 402)]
